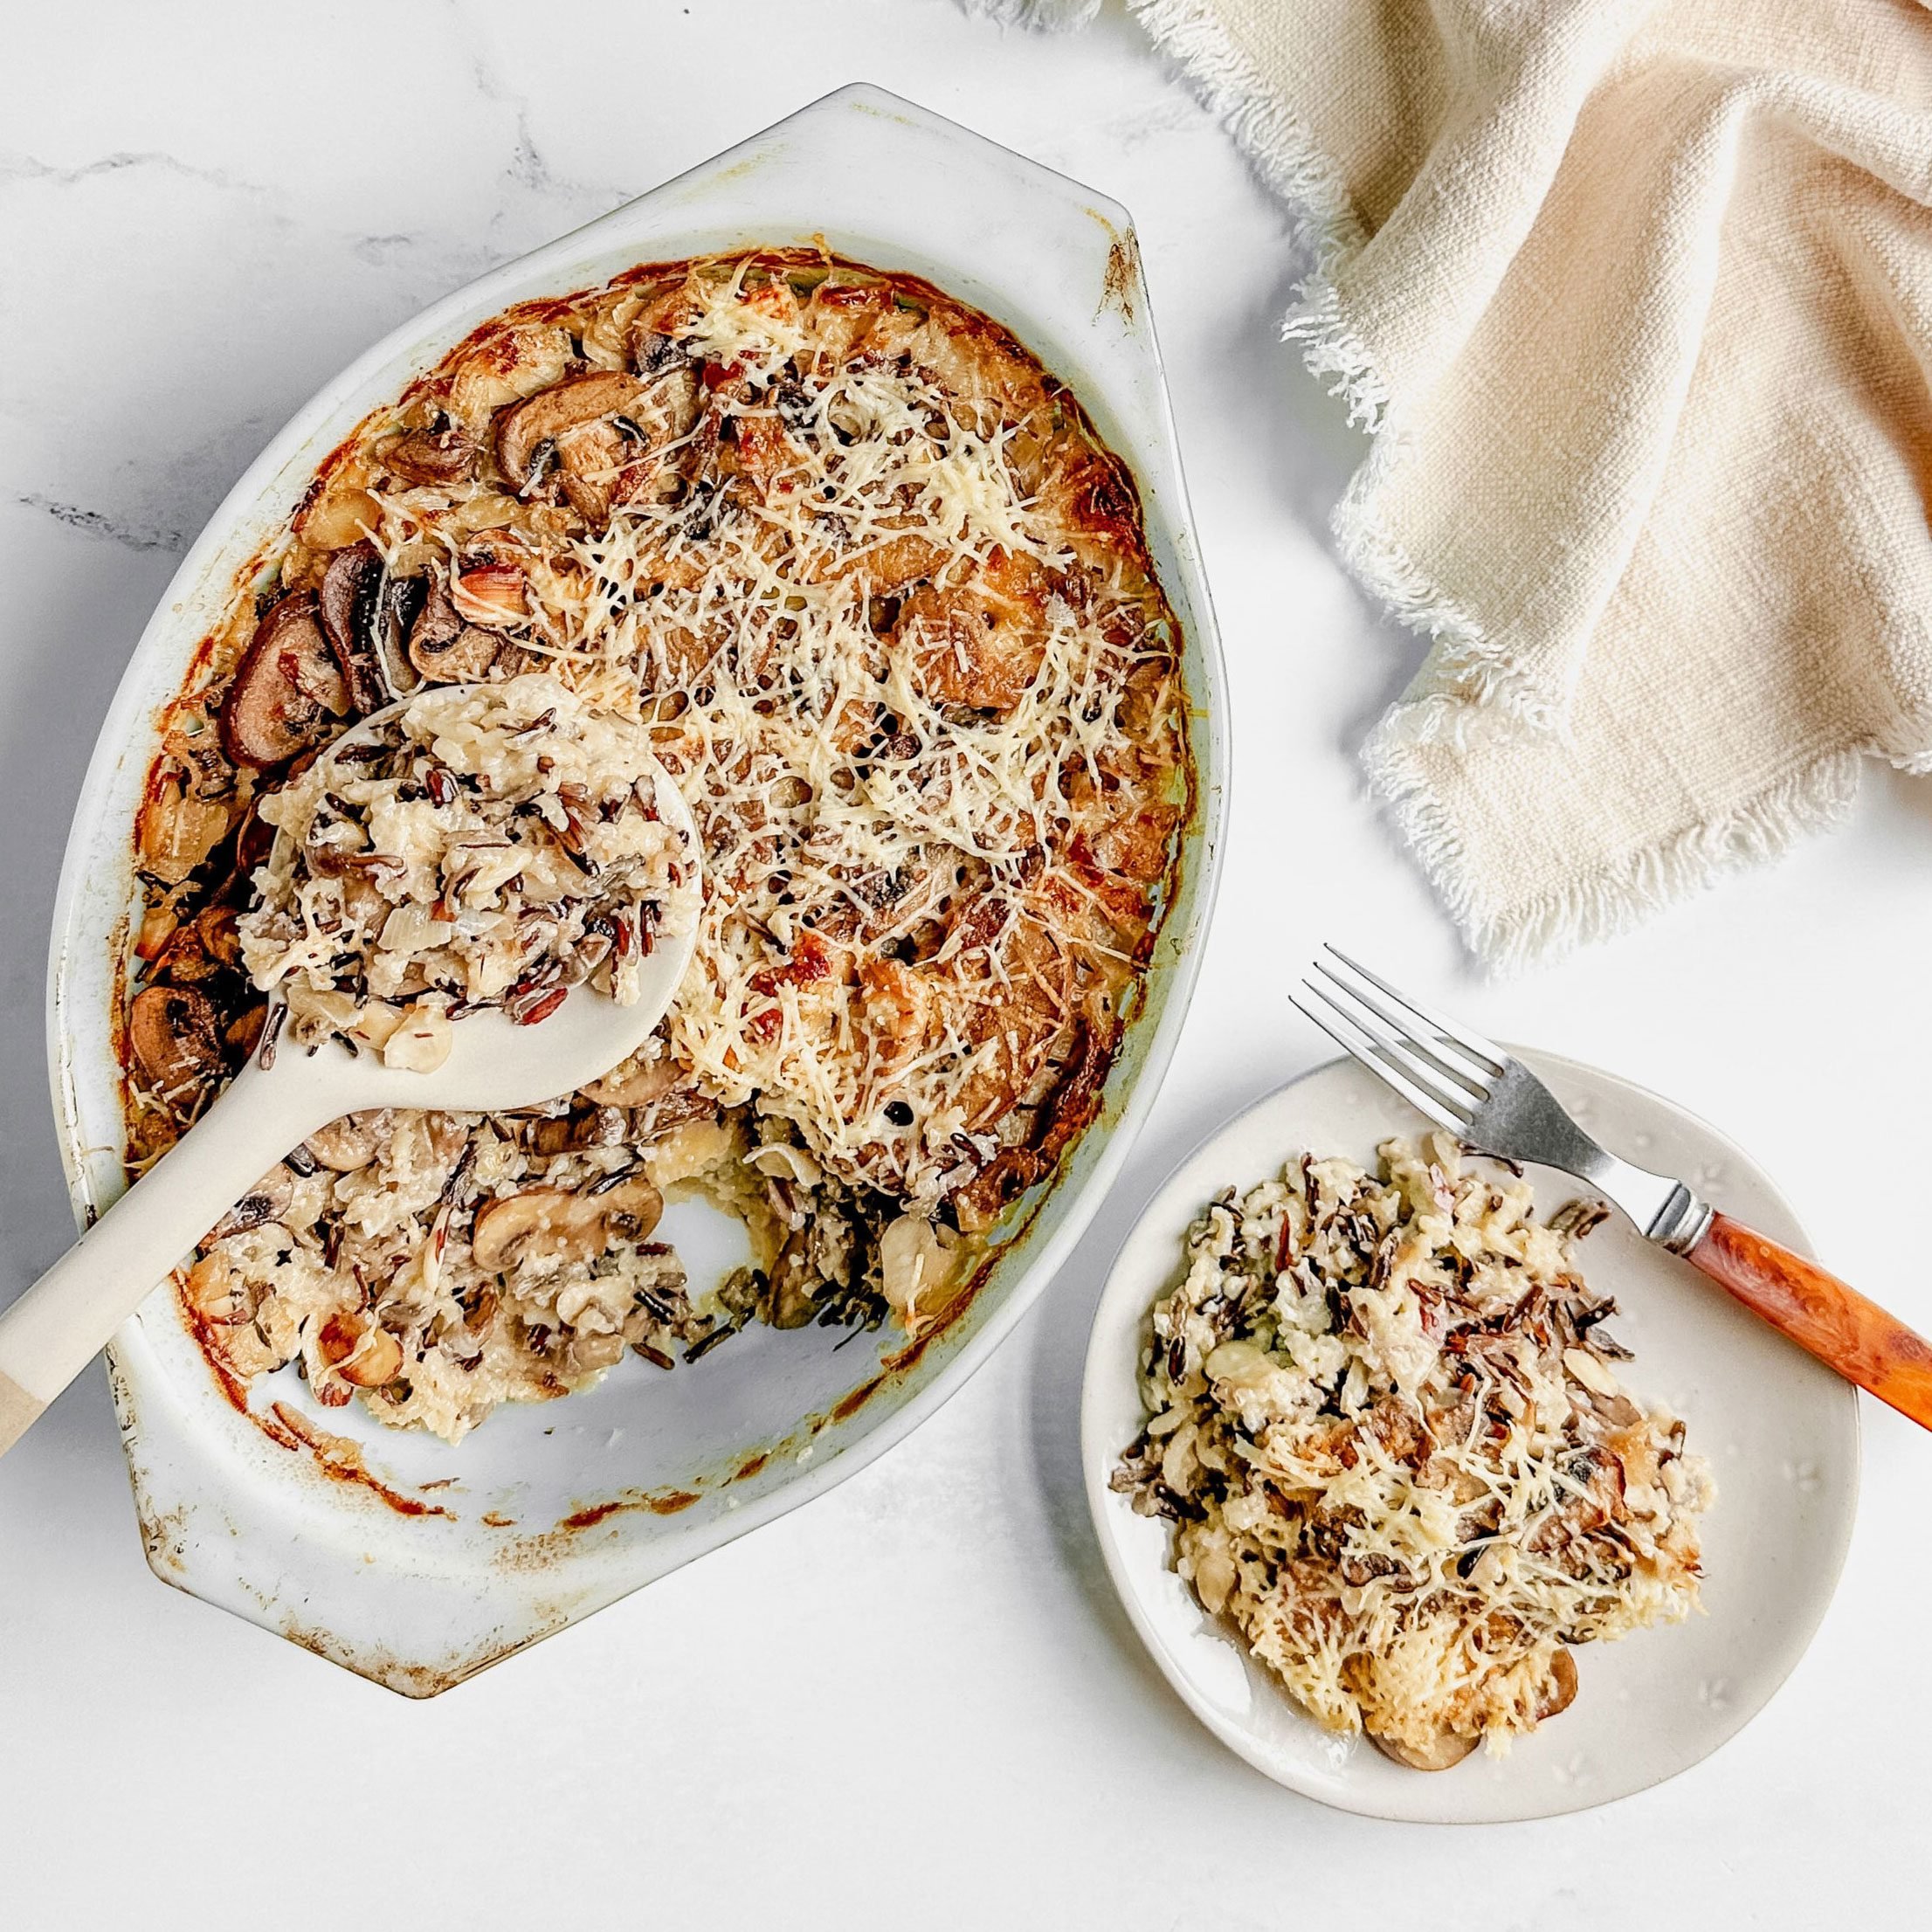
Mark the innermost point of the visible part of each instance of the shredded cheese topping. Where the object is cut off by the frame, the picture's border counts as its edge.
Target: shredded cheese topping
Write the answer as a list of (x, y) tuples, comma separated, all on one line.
[(1383, 1417), (895, 677), (883, 602)]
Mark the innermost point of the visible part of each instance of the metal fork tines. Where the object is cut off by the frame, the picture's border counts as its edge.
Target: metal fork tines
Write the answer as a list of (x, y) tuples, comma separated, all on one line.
[(1484, 1094)]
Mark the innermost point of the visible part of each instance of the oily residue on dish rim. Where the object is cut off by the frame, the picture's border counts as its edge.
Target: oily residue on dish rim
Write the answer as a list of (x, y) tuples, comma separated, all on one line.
[(1122, 277), (659, 1502), (338, 1459)]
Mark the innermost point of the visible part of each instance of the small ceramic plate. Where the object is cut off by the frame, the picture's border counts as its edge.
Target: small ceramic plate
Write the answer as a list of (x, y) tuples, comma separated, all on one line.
[(1780, 1433)]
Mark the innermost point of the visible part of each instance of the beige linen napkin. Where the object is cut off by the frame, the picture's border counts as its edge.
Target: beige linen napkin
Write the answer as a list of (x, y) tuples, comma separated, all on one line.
[(1637, 300)]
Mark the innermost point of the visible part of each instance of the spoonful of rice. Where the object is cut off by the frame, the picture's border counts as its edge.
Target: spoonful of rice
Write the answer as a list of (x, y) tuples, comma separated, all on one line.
[(478, 898)]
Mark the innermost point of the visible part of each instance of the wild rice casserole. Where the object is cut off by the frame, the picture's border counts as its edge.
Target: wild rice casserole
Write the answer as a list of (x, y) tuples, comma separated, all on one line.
[(883, 602), (1386, 1422), (492, 846)]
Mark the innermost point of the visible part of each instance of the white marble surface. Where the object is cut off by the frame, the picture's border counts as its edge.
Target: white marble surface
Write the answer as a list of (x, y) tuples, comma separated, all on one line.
[(912, 1702)]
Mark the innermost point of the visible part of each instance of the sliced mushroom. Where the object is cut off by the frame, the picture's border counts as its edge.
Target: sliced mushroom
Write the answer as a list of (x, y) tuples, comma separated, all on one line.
[(360, 1352), (671, 402), (1561, 1693), (220, 936), (978, 1204), (232, 862), (201, 947), (183, 960), (366, 616), (650, 350), (491, 594), (571, 1133), (1077, 1098), (289, 689), (243, 1034), (513, 1222), (550, 416), (979, 644), (635, 1081), (599, 463), (448, 1135), (445, 650), (402, 602), (351, 595), (344, 579), (1444, 1750), (174, 1036), (430, 456), (789, 1303), (571, 1227), (1359, 1571), (268, 1200), (587, 462), (656, 1118), (631, 1209), (350, 1144), (1618, 1411)]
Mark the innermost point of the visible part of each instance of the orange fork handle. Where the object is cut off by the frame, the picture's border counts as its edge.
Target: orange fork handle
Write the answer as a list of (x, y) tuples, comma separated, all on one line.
[(1826, 1318)]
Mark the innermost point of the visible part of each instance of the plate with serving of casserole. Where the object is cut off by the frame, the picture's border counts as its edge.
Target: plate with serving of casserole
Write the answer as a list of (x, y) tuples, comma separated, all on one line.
[(1435, 1493)]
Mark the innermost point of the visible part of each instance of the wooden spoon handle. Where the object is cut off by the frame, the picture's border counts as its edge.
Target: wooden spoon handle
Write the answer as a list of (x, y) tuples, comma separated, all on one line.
[(1826, 1318)]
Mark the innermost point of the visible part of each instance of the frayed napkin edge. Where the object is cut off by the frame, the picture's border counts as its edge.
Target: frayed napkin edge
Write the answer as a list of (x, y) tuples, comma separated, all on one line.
[(1469, 688), (1643, 882)]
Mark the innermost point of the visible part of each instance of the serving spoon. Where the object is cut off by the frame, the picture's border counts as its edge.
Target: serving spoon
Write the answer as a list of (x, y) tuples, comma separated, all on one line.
[(279, 1099)]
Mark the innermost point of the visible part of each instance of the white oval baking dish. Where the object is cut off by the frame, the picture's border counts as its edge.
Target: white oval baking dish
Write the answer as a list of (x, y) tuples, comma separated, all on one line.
[(422, 1564)]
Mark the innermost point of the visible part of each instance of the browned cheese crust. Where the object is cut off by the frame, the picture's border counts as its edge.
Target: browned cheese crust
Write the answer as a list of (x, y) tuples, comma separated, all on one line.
[(886, 601)]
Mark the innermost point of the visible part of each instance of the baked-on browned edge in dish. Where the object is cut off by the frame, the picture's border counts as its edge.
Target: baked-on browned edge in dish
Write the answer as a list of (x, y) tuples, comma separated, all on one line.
[(885, 600)]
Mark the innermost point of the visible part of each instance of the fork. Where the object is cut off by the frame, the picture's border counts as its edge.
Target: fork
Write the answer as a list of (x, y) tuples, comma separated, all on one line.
[(1490, 1099)]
